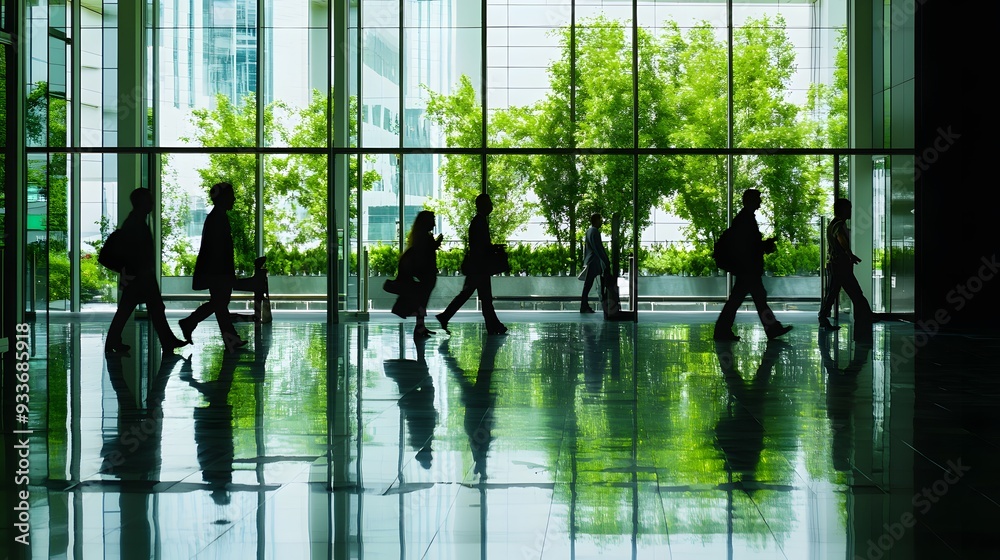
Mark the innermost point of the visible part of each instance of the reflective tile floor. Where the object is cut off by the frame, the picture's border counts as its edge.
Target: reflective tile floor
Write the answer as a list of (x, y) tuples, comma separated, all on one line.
[(570, 437)]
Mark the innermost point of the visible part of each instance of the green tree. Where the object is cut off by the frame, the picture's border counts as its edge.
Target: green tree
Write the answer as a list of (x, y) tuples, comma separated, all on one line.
[(292, 182), (460, 117), (763, 64), (827, 105), (308, 173), (570, 189)]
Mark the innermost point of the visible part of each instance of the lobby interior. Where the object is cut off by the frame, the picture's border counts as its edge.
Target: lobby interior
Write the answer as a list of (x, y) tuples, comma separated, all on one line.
[(568, 437)]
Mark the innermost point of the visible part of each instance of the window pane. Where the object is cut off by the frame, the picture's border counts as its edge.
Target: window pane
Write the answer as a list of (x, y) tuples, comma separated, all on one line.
[(208, 74), (185, 185), (98, 218), (683, 64), (442, 49), (380, 73), (296, 75), (603, 78), (525, 44), (789, 68)]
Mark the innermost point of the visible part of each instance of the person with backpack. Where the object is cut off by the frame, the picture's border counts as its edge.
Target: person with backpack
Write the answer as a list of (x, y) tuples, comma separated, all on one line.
[(132, 251), (840, 271), (749, 248)]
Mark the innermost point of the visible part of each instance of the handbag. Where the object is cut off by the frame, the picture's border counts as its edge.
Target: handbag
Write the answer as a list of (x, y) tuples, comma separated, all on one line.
[(392, 286), (499, 261), (583, 274)]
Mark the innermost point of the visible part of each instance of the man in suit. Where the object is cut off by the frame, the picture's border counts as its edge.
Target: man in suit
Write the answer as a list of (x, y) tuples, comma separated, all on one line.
[(215, 270), (595, 260), (138, 279), (477, 275), (751, 246)]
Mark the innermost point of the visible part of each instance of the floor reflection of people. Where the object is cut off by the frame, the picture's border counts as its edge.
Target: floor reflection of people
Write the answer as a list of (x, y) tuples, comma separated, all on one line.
[(597, 342), (416, 401), (132, 452), (740, 432), (840, 388), (478, 399), (213, 428)]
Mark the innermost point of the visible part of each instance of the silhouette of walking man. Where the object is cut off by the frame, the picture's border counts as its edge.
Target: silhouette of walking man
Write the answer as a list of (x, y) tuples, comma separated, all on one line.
[(840, 271), (418, 272), (476, 269), (215, 270), (138, 279), (751, 246), (595, 260)]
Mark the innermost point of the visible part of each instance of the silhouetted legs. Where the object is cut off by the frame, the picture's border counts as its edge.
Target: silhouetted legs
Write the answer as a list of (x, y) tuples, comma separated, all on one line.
[(474, 282), (588, 283), (220, 293), (842, 277), (753, 285), (141, 289)]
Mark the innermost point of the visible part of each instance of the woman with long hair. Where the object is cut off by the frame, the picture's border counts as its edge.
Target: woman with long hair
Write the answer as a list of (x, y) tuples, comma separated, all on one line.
[(418, 272)]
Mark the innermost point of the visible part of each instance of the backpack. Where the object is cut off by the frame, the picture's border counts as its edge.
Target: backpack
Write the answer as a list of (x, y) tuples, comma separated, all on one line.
[(112, 255), (724, 252)]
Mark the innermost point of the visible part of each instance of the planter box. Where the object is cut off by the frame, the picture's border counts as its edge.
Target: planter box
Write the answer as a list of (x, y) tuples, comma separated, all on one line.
[(677, 292)]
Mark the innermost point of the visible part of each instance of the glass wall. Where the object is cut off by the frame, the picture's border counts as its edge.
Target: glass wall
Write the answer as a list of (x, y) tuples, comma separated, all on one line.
[(558, 110)]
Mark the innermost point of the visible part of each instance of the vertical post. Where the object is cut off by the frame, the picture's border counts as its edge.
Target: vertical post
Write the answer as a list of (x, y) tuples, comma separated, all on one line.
[(363, 276), (14, 191), (130, 32), (338, 165), (729, 129), (262, 95), (73, 79)]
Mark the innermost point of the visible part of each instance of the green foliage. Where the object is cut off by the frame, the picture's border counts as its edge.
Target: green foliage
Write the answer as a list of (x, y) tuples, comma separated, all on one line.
[(382, 260), (460, 116), (92, 283), (287, 261), (793, 259), (293, 182), (449, 262)]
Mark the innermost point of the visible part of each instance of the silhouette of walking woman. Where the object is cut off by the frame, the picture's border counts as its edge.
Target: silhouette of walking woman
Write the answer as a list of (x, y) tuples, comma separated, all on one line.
[(595, 260), (138, 279), (418, 272), (481, 254)]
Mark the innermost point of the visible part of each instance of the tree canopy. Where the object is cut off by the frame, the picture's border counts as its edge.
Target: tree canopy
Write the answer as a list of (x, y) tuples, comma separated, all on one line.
[(683, 91)]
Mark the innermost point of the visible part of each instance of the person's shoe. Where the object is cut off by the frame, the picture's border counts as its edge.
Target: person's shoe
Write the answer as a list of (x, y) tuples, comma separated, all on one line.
[(501, 329), (826, 325), (778, 331), (586, 309), (174, 344), (422, 332), (726, 336), (443, 322), (233, 342), (186, 329)]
